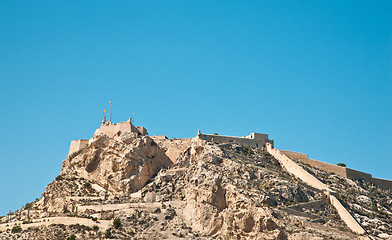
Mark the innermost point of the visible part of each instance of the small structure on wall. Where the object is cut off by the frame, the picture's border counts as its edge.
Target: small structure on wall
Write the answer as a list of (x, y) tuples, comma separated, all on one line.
[(257, 140)]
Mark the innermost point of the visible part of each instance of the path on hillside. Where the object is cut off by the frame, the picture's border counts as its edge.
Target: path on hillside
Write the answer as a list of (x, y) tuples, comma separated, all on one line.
[(102, 224), (149, 206)]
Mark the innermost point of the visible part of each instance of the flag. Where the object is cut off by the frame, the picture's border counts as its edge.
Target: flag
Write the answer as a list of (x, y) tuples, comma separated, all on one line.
[(104, 111)]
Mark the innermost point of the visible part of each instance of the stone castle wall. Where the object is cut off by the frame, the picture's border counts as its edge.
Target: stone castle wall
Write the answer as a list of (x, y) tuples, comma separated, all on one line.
[(142, 130), (110, 129), (76, 145), (295, 155), (346, 216), (341, 171), (382, 183), (295, 169), (255, 139), (311, 180), (354, 174)]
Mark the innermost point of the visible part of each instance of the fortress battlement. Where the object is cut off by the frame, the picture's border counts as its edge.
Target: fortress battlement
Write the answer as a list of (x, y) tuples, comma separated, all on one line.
[(339, 170), (254, 139), (110, 129)]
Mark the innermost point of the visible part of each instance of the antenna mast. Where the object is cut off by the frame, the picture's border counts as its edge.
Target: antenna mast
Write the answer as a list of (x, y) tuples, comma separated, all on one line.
[(110, 111)]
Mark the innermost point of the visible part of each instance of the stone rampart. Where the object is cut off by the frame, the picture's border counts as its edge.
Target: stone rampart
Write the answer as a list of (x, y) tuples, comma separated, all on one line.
[(295, 169), (111, 129), (142, 130), (387, 184), (346, 216), (294, 155), (341, 171), (309, 179), (254, 140), (77, 145), (257, 136), (301, 157), (354, 174)]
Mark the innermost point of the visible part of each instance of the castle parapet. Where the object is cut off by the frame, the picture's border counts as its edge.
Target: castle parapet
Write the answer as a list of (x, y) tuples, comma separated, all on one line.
[(257, 140), (341, 171), (111, 129), (77, 145), (142, 130), (258, 136)]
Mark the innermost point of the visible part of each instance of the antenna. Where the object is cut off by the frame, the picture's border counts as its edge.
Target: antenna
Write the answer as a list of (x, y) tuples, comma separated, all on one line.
[(110, 111), (133, 117)]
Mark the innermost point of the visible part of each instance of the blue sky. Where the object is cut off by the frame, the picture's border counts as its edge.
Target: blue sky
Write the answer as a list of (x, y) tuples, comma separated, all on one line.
[(314, 75)]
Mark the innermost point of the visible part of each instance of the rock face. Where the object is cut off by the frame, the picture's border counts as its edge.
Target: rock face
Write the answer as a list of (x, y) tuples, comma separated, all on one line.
[(158, 188), (116, 166), (121, 165)]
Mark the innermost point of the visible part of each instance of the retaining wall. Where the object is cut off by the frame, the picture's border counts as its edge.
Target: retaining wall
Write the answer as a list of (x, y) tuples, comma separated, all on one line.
[(300, 214), (76, 145), (314, 204)]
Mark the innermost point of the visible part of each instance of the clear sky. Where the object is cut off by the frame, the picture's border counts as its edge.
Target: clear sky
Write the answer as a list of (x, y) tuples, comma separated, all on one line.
[(314, 75)]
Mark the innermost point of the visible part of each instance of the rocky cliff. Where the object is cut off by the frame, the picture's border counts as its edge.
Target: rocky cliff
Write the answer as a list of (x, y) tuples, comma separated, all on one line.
[(141, 187)]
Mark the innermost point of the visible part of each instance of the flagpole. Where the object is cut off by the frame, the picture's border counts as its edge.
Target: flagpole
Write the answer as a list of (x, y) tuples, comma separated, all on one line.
[(110, 112)]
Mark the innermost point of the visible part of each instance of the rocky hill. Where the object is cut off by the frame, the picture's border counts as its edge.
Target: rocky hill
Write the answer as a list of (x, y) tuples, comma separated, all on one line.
[(138, 187)]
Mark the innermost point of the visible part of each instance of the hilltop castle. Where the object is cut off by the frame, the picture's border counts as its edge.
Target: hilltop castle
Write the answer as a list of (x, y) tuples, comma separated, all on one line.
[(257, 140), (291, 161), (110, 129)]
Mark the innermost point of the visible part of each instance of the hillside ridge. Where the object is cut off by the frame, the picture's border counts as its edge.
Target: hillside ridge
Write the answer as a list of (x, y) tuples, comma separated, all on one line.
[(124, 184)]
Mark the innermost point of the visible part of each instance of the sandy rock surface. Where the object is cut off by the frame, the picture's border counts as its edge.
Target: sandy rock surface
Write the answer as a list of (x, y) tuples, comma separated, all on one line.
[(140, 187)]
